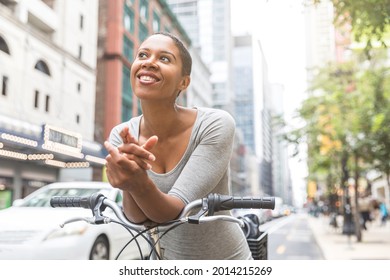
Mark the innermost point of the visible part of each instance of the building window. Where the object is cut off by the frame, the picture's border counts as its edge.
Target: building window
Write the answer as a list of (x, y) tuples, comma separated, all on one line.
[(127, 95), (47, 103), (79, 87), (156, 22), (4, 87), (143, 10), (80, 51), (128, 20), (81, 22), (36, 99), (167, 29), (129, 2), (78, 118), (3, 46), (42, 67), (128, 48), (143, 32)]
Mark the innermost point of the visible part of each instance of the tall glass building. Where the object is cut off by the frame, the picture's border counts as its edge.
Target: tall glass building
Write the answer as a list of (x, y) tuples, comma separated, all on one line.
[(207, 22)]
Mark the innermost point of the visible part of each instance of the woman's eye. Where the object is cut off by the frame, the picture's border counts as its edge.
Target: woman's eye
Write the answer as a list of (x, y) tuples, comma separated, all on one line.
[(165, 59), (142, 55)]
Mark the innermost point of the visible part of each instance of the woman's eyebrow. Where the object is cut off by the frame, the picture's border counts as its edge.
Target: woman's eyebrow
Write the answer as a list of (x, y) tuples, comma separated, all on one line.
[(164, 52), (167, 52)]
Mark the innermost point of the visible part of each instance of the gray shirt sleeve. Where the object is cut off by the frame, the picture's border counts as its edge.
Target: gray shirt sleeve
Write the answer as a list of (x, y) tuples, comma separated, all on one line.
[(207, 166), (115, 139)]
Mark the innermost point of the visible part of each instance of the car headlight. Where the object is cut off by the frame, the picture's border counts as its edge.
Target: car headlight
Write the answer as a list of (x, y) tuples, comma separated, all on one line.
[(67, 231)]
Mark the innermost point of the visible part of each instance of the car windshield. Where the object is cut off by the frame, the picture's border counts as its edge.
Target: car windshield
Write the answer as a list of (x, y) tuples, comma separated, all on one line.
[(42, 199)]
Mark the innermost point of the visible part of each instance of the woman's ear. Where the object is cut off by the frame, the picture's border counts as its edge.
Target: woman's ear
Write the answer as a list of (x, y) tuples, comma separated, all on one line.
[(185, 82)]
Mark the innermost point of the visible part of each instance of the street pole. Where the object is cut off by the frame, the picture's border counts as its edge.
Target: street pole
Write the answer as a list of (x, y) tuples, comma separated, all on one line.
[(348, 223)]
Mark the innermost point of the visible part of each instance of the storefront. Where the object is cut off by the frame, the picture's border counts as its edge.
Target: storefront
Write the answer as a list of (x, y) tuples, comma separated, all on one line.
[(31, 157)]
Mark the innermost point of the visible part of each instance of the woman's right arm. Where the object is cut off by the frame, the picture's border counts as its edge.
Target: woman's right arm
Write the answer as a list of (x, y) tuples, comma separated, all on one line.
[(119, 135), (132, 210)]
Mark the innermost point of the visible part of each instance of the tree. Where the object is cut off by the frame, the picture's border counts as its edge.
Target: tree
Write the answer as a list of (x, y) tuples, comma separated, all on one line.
[(369, 19), (345, 119), (375, 87)]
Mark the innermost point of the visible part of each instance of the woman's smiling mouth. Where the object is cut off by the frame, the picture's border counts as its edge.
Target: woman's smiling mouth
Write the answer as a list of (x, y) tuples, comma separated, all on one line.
[(147, 77)]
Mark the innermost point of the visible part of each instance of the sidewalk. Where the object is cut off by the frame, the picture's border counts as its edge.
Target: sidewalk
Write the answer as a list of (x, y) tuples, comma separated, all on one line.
[(375, 243)]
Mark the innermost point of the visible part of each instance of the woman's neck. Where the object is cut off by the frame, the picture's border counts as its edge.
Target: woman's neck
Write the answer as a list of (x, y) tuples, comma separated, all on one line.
[(162, 121)]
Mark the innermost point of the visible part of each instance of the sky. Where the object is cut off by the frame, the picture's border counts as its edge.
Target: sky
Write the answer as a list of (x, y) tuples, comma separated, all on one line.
[(279, 26)]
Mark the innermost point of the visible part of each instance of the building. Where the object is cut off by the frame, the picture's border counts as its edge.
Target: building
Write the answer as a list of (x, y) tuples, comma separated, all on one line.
[(320, 45), (244, 108), (244, 88), (281, 177), (47, 102)]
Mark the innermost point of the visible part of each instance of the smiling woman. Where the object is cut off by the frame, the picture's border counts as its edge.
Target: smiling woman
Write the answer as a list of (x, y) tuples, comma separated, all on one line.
[(149, 57), (171, 155)]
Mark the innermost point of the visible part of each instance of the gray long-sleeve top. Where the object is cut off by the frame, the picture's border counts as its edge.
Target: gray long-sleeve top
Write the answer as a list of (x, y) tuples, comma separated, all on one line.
[(203, 169)]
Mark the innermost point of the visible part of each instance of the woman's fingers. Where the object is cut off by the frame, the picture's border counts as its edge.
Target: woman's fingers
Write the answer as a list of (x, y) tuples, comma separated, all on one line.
[(116, 155), (141, 163), (136, 150), (150, 143), (112, 150), (127, 137), (133, 151), (142, 151)]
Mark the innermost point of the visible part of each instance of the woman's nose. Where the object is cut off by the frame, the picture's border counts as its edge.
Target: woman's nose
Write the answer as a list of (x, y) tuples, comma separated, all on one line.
[(150, 62)]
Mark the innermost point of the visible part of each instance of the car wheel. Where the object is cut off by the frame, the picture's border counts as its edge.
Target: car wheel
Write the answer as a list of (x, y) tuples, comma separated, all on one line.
[(100, 249)]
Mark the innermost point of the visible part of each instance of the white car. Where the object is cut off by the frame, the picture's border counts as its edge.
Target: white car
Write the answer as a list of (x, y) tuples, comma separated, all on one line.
[(30, 229)]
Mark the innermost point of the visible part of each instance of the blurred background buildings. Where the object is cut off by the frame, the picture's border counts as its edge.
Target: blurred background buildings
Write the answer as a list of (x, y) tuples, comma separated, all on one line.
[(64, 71)]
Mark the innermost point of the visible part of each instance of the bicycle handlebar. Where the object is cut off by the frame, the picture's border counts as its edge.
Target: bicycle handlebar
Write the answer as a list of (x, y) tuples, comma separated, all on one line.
[(217, 202), (87, 202), (97, 202)]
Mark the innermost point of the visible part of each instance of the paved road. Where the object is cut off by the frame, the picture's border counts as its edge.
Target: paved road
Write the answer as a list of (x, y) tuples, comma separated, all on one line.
[(290, 238)]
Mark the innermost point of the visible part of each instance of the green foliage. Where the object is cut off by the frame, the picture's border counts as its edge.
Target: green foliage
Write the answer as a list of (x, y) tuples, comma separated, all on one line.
[(369, 19), (346, 112)]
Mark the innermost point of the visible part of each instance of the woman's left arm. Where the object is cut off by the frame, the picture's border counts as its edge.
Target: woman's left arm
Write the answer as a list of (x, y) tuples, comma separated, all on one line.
[(209, 162)]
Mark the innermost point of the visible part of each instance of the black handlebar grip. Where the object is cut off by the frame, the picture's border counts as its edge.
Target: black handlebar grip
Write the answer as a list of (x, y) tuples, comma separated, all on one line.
[(226, 202), (87, 202)]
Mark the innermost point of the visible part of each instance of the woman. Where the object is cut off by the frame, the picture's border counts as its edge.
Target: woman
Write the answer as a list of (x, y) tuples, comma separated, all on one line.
[(171, 155)]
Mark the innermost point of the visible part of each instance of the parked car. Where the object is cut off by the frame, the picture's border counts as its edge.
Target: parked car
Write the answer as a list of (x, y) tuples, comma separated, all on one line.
[(30, 228)]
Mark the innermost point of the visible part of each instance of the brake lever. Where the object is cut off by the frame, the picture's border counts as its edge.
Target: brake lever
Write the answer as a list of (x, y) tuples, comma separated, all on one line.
[(89, 220), (194, 219), (222, 218)]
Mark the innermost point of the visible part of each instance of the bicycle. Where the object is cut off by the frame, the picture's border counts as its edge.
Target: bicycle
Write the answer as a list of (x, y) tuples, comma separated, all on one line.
[(153, 232)]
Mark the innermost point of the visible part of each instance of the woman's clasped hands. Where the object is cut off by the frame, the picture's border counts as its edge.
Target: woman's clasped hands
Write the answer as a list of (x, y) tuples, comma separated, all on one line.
[(126, 165)]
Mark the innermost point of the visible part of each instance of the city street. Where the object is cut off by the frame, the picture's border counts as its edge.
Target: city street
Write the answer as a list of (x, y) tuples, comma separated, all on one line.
[(290, 238), (304, 237)]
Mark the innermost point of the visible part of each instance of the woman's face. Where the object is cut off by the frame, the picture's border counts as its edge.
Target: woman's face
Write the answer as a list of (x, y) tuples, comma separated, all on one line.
[(156, 72)]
